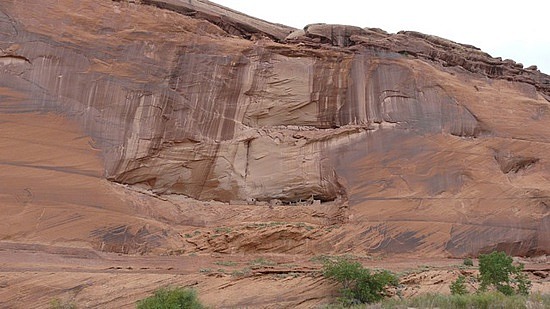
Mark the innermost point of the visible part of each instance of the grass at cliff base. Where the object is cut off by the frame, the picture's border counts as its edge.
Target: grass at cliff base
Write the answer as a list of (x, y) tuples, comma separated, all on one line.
[(488, 300)]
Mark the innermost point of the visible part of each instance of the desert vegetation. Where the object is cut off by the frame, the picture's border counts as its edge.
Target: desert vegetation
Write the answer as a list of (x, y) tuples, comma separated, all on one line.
[(496, 270), (468, 262), (458, 287), (171, 298), (57, 303), (359, 285), (483, 300), (500, 284)]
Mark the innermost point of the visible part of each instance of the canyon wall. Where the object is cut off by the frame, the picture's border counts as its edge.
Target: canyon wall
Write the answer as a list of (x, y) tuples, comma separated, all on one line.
[(434, 146)]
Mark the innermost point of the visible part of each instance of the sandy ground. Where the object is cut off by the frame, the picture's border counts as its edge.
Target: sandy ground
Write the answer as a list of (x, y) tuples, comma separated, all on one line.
[(36, 274)]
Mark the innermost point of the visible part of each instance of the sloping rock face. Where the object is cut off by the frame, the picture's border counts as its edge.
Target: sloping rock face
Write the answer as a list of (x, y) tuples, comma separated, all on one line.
[(433, 145)]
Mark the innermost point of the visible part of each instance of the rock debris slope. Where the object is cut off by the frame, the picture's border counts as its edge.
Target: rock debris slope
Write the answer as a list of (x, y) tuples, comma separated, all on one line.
[(422, 144)]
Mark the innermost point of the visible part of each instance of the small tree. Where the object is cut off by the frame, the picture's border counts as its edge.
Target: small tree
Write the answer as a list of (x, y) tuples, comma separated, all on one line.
[(458, 287), (496, 269), (359, 285), (165, 298)]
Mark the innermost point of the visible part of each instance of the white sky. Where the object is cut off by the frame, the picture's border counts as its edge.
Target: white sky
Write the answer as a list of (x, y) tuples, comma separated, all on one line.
[(517, 30)]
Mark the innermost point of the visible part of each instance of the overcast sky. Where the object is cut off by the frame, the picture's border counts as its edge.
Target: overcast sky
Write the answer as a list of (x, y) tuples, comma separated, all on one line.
[(517, 30)]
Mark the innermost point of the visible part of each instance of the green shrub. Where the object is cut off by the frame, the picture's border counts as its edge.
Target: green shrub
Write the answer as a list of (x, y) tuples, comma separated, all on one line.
[(171, 298), (359, 285), (262, 262), (458, 287), (57, 303), (496, 269), (226, 263), (468, 262), (241, 273)]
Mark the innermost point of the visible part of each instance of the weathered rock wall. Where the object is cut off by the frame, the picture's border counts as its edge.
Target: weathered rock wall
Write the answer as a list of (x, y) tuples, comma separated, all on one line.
[(212, 124), (180, 100)]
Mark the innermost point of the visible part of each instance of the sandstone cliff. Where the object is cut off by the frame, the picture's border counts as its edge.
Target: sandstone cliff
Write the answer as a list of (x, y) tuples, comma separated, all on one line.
[(419, 143)]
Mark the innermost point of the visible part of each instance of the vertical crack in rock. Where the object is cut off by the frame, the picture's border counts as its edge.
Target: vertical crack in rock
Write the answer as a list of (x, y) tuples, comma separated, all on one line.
[(330, 82), (247, 145)]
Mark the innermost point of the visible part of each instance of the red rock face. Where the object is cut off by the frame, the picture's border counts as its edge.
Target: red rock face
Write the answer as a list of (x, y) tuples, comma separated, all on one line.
[(434, 146)]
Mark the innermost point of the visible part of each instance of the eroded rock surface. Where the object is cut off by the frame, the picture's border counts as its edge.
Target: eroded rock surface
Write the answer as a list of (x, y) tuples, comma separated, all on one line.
[(187, 97)]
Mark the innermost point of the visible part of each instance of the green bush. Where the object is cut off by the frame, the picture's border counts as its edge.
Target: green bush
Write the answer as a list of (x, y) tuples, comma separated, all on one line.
[(496, 269), (359, 285), (468, 262), (57, 303), (171, 298), (458, 287)]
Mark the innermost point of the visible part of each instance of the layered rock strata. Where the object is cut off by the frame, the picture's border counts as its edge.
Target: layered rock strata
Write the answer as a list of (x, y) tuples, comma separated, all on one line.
[(187, 97)]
